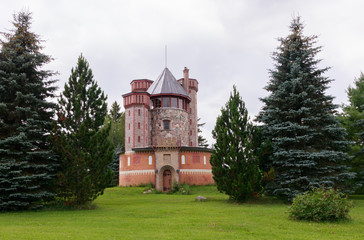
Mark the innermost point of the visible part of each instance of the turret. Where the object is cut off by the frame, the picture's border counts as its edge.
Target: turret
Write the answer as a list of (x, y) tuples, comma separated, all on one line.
[(169, 112), (137, 106)]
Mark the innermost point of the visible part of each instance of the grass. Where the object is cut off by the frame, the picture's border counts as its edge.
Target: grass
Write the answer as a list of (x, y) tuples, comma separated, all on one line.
[(125, 213)]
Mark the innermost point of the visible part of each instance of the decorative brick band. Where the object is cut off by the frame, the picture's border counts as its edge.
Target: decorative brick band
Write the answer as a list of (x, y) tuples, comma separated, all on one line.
[(195, 171), (138, 172)]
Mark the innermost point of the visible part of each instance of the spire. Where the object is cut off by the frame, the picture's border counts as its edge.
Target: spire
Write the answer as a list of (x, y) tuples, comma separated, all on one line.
[(166, 83), (165, 56)]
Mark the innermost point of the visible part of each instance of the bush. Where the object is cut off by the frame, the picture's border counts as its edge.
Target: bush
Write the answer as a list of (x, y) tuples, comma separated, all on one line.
[(320, 205), (182, 189)]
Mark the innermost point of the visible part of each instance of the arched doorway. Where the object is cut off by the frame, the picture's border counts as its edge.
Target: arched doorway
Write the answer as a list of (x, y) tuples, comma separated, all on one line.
[(167, 181)]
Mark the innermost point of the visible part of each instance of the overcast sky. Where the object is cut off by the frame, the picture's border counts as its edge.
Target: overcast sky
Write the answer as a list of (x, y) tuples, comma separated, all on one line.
[(223, 42)]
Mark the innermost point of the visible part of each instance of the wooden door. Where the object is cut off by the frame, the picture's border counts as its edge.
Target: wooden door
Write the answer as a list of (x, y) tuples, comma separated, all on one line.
[(167, 181)]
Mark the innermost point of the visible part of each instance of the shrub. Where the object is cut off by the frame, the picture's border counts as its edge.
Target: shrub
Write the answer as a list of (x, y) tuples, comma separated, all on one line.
[(320, 205), (146, 185), (182, 189)]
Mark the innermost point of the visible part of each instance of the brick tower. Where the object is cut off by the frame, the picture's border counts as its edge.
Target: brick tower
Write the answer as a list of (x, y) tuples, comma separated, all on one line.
[(136, 104), (161, 144)]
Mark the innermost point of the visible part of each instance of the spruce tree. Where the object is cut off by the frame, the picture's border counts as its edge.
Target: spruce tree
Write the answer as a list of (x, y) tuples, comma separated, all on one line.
[(352, 119), (27, 165), (234, 166), (308, 145), (80, 138)]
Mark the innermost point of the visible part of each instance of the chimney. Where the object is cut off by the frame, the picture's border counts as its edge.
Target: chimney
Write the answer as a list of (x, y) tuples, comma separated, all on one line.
[(186, 79)]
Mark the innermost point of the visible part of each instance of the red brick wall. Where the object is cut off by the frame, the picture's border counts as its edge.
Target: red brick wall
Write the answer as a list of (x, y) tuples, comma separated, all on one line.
[(135, 179), (192, 178), (193, 172), (189, 172), (195, 160), (139, 171), (138, 161)]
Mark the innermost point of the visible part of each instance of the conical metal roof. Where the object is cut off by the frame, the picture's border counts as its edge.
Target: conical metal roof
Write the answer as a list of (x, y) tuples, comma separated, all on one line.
[(166, 84)]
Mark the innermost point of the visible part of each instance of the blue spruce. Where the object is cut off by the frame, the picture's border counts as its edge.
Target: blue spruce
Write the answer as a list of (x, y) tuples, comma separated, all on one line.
[(27, 165), (308, 144)]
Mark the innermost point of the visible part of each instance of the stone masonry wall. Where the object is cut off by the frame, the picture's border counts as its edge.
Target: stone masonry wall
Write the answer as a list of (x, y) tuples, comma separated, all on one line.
[(178, 124)]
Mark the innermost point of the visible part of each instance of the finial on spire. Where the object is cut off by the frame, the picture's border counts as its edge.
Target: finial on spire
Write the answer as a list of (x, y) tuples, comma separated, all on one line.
[(165, 57)]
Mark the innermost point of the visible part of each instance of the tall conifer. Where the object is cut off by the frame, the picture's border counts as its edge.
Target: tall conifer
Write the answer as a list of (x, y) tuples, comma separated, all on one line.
[(309, 146), (80, 139), (27, 164), (352, 119), (235, 167)]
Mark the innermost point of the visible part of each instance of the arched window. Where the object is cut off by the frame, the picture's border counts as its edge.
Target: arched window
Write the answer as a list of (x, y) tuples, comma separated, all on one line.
[(183, 159), (204, 160), (150, 160), (128, 161)]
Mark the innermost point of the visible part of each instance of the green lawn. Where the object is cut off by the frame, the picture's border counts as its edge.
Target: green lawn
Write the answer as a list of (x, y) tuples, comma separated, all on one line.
[(125, 213)]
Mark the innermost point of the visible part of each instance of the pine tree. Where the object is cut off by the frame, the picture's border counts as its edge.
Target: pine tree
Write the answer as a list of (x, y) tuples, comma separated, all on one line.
[(202, 142), (27, 164), (308, 145), (80, 138), (116, 136), (234, 165), (352, 119)]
